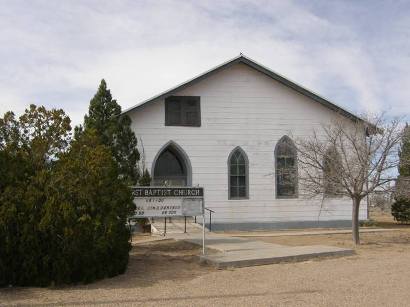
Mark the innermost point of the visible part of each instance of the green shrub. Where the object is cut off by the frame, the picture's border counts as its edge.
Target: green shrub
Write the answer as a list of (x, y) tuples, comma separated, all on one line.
[(401, 210), (61, 220), (368, 223), (27, 148), (86, 212), (145, 179), (401, 207)]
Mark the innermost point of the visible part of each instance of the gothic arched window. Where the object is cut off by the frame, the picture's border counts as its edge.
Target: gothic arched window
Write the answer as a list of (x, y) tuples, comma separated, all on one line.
[(286, 168), (238, 174), (331, 173), (171, 167)]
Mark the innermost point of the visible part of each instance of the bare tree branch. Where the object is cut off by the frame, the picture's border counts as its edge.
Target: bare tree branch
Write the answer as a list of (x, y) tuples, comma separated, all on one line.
[(345, 160)]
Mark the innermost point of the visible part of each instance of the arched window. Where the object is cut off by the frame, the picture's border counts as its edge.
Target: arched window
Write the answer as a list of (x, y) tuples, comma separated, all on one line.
[(331, 173), (171, 167), (286, 168), (238, 174)]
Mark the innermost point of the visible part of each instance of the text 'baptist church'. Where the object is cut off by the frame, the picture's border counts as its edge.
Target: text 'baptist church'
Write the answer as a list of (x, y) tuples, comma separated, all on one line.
[(168, 192)]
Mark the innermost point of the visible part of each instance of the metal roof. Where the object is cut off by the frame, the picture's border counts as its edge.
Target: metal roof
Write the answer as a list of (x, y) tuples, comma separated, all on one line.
[(253, 64)]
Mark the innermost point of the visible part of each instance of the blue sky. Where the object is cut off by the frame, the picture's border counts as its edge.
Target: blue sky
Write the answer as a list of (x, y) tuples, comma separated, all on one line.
[(54, 53)]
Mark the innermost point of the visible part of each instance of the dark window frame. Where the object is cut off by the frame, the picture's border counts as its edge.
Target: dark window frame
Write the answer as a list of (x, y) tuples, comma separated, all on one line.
[(286, 141), (165, 175), (184, 109), (245, 157)]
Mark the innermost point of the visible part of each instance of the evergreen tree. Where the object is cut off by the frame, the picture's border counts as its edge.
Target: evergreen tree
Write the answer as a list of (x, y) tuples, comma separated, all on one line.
[(86, 209), (145, 179), (29, 147), (63, 209), (114, 130), (404, 167), (401, 207)]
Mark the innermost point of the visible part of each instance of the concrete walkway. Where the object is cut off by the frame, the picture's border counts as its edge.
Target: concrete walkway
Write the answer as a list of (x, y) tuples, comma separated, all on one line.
[(285, 233), (227, 251)]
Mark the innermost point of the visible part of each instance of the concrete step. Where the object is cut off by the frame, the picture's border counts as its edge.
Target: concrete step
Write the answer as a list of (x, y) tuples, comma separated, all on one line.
[(244, 257), (231, 251), (175, 225)]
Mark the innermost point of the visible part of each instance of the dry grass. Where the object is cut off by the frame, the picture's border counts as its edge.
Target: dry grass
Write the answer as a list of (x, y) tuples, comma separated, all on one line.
[(369, 241), (168, 273)]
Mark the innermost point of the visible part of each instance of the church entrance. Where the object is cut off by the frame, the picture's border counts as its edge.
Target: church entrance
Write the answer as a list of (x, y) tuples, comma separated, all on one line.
[(172, 167)]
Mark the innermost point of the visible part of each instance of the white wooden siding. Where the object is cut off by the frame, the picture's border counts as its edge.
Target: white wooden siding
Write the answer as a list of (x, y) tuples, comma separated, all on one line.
[(242, 107)]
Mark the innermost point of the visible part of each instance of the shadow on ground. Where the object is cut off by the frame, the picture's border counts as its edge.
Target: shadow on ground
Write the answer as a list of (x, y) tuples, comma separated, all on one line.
[(157, 261), (148, 264)]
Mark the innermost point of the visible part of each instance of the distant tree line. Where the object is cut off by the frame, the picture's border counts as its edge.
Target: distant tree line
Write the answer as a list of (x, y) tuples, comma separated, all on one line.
[(64, 200)]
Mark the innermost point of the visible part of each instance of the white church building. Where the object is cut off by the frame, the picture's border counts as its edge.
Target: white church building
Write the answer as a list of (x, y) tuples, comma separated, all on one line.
[(231, 130)]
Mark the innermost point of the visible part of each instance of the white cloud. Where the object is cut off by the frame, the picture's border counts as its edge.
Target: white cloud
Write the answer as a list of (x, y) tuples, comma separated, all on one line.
[(55, 53)]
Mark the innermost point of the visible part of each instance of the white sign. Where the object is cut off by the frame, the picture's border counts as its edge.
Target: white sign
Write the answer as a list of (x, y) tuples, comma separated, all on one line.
[(166, 202)]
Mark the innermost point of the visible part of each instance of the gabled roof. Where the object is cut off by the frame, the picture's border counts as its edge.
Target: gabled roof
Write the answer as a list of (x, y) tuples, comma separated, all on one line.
[(251, 63)]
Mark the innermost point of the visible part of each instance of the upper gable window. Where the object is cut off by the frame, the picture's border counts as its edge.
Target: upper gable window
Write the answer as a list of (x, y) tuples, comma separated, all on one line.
[(183, 111)]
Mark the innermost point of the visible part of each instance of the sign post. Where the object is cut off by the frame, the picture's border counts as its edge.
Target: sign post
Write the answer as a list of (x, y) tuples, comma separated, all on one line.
[(203, 227), (170, 201)]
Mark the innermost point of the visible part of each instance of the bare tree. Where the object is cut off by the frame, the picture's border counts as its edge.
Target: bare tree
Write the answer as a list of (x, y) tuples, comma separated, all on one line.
[(349, 158)]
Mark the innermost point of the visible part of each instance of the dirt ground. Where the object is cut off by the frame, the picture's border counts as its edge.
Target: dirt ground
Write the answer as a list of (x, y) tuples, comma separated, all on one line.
[(167, 273)]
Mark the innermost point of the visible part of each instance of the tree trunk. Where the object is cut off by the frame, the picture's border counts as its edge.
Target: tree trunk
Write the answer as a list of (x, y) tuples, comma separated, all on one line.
[(355, 221)]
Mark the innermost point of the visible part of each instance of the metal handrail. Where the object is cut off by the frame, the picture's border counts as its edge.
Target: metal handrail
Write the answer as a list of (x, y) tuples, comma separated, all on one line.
[(210, 218), (210, 221)]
